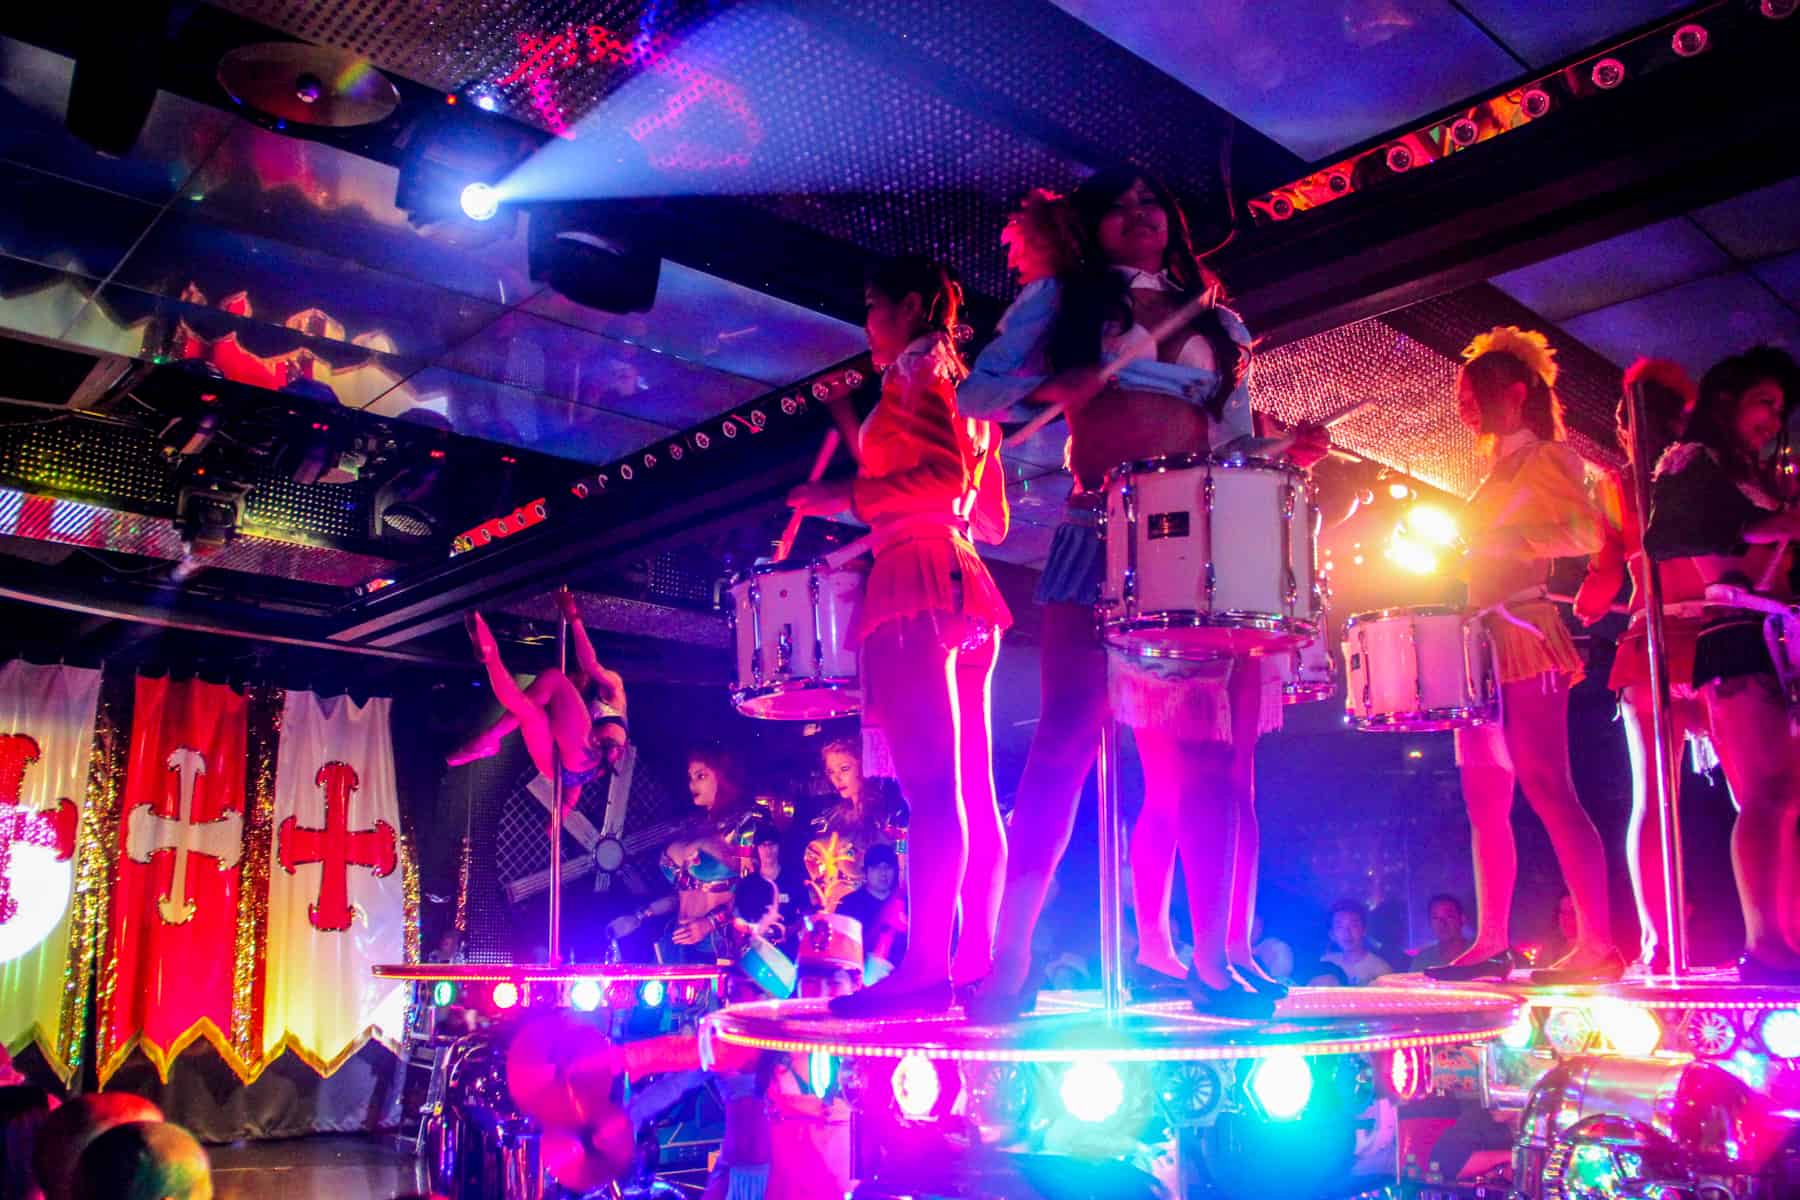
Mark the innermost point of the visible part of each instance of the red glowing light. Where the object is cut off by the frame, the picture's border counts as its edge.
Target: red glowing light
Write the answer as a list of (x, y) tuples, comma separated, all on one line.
[(450, 99), (500, 527), (437, 454)]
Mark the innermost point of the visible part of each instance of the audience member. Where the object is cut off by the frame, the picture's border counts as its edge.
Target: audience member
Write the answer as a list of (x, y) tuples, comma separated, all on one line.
[(790, 888), (67, 1132), (1349, 933), (881, 909), (1324, 974), (143, 1160), (1274, 955), (23, 1110), (1446, 915), (1562, 936)]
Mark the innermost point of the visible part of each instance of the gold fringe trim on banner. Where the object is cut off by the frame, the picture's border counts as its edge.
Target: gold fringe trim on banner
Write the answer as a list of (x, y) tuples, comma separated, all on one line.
[(326, 1068), (90, 908), (163, 1058), (263, 743)]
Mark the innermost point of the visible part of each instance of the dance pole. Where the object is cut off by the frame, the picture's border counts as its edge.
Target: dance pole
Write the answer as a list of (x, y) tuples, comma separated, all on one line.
[(1112, 945), (1668, 783), (556, 803), (827, 448)]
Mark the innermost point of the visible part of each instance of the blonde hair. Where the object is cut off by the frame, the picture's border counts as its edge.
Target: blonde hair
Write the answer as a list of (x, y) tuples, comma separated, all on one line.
[(1506, 355)]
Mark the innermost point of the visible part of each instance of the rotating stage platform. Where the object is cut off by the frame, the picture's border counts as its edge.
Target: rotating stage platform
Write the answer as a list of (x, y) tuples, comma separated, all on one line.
[(1070, 1026)]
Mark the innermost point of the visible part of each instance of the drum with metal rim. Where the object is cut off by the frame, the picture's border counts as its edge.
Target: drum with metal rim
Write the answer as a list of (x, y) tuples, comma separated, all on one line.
[(1418, 670), (1209, 556), (1311, 673), (791, 625)]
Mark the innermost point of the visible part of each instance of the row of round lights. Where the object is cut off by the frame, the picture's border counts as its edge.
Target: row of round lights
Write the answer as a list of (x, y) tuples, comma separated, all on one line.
[(1636, 1031), (586, 995)]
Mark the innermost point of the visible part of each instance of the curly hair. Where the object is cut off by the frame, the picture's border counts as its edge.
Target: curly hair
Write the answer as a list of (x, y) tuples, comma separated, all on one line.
[(1045, 224), (733, 797), (1669, 396)]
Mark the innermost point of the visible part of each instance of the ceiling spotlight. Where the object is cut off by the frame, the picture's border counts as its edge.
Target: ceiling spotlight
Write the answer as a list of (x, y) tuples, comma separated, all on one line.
[(1779, 10), (480, 202), (1338, 182), (1608, 74), (1399, 158), (1281, 208), (1464, 131), (1689, 40), (486, 103), (1535, 102)]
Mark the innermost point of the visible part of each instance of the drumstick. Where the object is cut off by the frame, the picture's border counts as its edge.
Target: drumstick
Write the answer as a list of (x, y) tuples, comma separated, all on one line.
[(1768, 572), (827, 448), (1175, 320)]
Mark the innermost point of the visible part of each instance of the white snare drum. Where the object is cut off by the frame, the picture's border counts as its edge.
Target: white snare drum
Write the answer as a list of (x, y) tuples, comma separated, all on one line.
[(1415, 670), (791, 624), (1311, 672), (1209, 556)]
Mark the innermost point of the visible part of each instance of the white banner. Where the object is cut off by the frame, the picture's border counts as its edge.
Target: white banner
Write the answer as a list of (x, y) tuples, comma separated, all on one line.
[(337, 897), (46, 740)]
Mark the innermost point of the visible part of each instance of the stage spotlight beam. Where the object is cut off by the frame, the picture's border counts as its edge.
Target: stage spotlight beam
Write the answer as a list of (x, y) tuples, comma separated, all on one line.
[(480, 201)]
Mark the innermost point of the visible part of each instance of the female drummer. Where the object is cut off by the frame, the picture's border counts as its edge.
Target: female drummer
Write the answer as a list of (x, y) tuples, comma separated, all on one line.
[(705, 862), (1196, 725), (1714, 509), (1669, 398), (929, 628), (575, 725), (1532, 507), (865, 812)]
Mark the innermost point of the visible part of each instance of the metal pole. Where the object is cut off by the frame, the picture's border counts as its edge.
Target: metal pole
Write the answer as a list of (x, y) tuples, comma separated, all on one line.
[(556, 807), (1112, 946), (1662, 761)]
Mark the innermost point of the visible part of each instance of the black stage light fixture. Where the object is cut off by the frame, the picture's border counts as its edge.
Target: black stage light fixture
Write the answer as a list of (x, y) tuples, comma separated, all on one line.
[(447, 157), (209, 512), (116, 73), (599, 253)]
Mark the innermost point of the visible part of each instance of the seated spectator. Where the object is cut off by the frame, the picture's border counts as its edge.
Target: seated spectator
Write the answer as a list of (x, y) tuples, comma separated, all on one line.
[(881, 910), (1446, 915), (67, 1132), (1324, 974), (1271, 953), (1349, 933), (143, 1160), (24, 1108)]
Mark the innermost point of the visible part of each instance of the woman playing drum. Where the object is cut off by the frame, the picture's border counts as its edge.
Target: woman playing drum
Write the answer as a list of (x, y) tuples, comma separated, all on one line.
[(1196, 724), (1532, 507), (929, 629), (1714, 510), (1669, 395)]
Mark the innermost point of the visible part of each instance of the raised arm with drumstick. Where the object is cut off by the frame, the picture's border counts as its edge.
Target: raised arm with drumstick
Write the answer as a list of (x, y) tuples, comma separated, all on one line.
[(572, 724)]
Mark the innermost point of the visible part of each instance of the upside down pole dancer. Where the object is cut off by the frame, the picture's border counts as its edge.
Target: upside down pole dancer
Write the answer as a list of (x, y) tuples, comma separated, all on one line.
[(573, 725)]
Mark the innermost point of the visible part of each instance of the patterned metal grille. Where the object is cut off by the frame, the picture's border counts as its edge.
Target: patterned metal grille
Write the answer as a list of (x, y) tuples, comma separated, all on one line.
[(115, 463)]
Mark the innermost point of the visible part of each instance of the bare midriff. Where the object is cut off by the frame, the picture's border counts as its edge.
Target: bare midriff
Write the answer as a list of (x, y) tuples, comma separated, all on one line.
[(1120, 426)]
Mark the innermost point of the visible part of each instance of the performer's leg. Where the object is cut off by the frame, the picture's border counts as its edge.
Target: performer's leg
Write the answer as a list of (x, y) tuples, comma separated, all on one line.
[(1239, 784), (570, 723), (1206, 825), (1154, 838), (1537, 736), (1073, 708), (486, 743), (534, 725), (1756, 749), (1487, 785), (985, 875), (910, 691), (1644, 837)]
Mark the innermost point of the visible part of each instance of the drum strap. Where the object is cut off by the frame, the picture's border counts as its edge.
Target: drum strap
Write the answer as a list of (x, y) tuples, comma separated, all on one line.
[(1505, 614)]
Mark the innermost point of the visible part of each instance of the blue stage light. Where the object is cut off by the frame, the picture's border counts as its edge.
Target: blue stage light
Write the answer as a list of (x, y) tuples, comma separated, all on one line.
[(586, 995), (1781, 1032), (1282, 1084), (480, 202), (652, 993), (1091, 1090)]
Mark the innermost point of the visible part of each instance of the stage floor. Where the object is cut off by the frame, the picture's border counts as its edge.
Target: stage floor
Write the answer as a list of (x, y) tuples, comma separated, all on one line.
[(322, 1168)]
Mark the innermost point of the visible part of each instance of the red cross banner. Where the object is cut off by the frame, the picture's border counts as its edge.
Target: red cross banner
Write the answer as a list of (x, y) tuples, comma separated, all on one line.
[(168, 971), (338, 894), (46, 744)]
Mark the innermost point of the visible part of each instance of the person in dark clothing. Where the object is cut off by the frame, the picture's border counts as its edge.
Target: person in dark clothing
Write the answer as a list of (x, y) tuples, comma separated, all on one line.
[(881, 908)]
